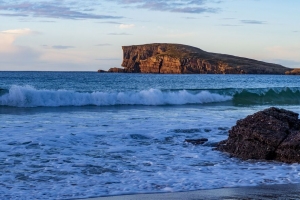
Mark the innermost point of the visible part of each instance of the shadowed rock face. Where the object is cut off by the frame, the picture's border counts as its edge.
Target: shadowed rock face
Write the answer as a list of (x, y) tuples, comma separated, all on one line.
[(271, 134), (183, 59)]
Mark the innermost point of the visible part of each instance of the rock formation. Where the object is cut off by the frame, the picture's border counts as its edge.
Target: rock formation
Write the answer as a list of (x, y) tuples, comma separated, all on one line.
[(271, 134), (116, 70), (182, 59), (293, 72)]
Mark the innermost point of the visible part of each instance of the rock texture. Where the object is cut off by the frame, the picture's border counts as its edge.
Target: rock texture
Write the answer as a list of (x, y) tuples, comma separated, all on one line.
[(182, 59), (271, 134), (293, 72), (116, 70)]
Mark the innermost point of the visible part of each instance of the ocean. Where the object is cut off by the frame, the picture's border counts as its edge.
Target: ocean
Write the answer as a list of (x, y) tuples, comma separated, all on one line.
[(69, 135)]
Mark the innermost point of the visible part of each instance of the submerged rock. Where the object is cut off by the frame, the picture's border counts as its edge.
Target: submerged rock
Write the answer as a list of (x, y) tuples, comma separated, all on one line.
[(196, 141), (271, 134)]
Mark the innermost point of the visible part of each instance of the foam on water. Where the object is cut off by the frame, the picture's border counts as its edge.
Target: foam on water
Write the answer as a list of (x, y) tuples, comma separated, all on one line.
[(108, 151), (53, 145), (27, 96)]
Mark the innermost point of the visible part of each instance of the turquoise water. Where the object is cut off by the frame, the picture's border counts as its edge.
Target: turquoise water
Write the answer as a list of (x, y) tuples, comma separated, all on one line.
[(82, 134)]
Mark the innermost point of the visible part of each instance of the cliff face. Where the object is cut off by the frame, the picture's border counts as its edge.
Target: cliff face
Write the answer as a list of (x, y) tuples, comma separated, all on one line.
[(183, 59)]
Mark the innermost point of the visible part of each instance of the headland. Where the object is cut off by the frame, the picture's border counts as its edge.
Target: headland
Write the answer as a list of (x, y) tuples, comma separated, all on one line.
[(164, 58)]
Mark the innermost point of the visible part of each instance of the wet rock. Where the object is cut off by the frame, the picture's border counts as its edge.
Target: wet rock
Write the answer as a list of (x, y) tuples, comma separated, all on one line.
[(271, 134), (196, 141)]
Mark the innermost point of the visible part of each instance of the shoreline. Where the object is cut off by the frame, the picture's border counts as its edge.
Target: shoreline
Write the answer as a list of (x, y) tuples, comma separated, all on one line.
[(277, 191)]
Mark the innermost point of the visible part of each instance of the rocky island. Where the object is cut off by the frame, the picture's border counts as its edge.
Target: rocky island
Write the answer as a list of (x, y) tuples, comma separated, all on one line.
[(163, 58)]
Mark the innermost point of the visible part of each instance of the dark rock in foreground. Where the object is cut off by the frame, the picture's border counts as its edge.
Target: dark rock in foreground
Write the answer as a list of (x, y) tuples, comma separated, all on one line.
[(271, 134), (163, 58)]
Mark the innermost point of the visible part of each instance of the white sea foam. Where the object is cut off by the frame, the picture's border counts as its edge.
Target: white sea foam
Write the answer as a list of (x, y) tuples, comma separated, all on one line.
[(27, 96), (87, 153)]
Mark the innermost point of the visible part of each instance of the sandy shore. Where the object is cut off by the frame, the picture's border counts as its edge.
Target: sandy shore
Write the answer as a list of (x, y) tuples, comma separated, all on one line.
[(289, 191)]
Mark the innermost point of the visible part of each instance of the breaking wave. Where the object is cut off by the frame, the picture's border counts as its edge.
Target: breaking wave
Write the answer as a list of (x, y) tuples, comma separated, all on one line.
[(27, 96)]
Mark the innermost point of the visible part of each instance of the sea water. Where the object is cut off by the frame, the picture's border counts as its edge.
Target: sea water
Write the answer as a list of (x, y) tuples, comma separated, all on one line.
[(67, 135)]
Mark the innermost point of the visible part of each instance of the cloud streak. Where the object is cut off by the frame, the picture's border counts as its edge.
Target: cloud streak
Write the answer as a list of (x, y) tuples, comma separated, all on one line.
[(62, 47), (48, 10), (253, 22), (178, 6), (23, 31), (126, 26)]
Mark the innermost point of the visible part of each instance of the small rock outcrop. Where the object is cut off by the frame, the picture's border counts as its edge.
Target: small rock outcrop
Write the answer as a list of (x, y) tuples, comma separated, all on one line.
[(116, 70), (271, 134), (293, 72), (102, 71), (163, 58)]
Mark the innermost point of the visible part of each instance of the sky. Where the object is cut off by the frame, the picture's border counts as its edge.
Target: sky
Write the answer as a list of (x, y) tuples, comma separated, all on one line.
[(87, 35)]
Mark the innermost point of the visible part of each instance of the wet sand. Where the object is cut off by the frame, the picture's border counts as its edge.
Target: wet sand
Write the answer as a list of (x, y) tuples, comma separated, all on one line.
[(288, 191)]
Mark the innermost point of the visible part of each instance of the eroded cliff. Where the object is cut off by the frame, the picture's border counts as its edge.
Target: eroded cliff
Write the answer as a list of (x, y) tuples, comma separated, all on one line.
[(182, 59)]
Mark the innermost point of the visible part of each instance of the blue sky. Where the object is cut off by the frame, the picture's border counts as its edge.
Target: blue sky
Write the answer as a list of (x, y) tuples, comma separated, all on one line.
[(68, 35)]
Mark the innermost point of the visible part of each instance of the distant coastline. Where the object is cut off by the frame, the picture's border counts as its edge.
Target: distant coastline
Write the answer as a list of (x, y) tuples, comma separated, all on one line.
[(164, 58)]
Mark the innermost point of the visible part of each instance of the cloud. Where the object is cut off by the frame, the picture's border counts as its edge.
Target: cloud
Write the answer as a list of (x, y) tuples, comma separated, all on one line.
[(119, 33), (12, 54), (23, 31), (195, 10), (8, 37), (253, 22), (190, 18), (53, 9), (13, 15), (125, 26), (179, 6), (62, 47)]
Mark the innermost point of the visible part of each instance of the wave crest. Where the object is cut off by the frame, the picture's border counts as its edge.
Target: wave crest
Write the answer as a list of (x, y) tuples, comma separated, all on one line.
[(28, 96)]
